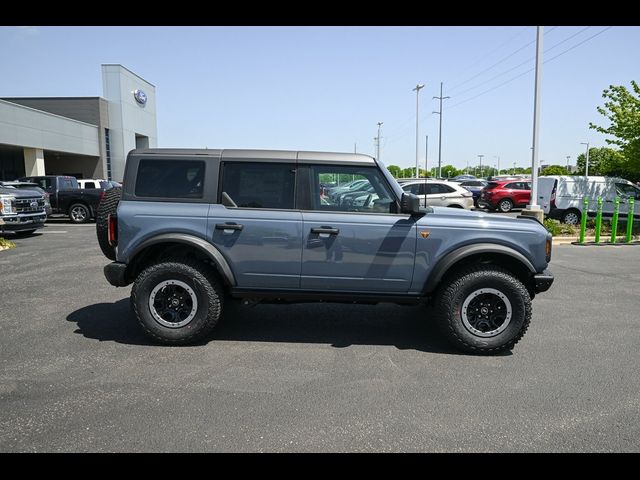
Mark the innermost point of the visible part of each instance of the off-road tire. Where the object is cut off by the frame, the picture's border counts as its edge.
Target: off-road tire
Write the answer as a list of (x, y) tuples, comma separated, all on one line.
[(460, 285), (108, 206), (204, 283)]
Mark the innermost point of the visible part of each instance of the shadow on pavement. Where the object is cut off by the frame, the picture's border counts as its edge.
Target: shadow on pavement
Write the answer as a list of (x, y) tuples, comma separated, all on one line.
[(406, 328)]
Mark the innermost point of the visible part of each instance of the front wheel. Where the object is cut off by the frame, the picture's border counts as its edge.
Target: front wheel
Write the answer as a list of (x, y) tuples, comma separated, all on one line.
[(177, 302), (483, 309), (571, 217)]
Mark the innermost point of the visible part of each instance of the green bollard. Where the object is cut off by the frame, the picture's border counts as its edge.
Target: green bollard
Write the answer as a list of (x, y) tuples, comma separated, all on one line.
[(598, 220), (614, 220), (630, 221), (583, 220)]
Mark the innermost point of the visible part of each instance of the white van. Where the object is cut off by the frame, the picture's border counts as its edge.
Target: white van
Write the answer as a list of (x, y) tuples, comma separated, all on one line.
[(561, 197)]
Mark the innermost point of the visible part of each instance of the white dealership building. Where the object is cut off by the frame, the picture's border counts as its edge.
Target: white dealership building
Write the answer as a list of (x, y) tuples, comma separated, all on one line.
[(86, 137)]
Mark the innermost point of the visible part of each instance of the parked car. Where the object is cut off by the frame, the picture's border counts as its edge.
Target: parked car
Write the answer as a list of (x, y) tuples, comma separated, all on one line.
[(505, 195), (30, 186), (440, 193), (561, 197), (93, 183), (67, 198), (21, 210), (459, 178), (189, 241), (475, 187)]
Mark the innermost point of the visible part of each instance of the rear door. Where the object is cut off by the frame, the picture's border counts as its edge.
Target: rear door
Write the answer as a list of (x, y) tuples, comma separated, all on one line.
[(255, 223), (365, 246)]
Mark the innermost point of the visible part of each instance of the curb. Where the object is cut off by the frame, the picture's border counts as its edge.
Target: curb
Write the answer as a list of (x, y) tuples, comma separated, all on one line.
[(604, 240)]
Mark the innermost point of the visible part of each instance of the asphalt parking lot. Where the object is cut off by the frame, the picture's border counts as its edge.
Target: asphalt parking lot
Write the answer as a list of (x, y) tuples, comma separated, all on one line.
[(77, 374)]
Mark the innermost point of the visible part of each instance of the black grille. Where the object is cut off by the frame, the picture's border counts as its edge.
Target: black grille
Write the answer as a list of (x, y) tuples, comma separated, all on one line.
[(25, 205)]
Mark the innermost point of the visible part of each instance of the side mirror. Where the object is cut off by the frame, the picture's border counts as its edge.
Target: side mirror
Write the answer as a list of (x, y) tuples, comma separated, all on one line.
[(410, 203)]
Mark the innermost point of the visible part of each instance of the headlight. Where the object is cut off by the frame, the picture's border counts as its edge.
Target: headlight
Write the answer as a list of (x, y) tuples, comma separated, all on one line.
[(8, 206)]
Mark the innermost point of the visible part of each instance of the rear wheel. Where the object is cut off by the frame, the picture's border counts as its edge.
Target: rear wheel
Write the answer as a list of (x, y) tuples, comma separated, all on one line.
[(177, 302), (505, 205), (79, 213), (483, 309), (572, 217)]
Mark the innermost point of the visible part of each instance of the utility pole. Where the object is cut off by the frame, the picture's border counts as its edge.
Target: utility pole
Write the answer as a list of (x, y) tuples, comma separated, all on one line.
[(586, 159), (480, 156), (568, 157), (533, 209), (378, 146), (440, 132), (417, 90), (498, 157)]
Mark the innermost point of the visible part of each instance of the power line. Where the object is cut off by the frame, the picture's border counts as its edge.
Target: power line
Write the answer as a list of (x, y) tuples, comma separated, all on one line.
[(504, 59), (523, 63), (530, 70)]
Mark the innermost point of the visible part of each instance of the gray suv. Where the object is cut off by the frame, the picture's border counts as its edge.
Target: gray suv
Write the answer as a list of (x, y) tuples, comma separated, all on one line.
[(192, 229)]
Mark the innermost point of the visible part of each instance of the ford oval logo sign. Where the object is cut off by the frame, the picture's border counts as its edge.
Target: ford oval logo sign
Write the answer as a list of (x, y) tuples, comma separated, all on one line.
[(33, 204), (140, 97)]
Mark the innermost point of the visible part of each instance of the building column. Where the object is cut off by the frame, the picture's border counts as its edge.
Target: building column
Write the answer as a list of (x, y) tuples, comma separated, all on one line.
[(33, 162)]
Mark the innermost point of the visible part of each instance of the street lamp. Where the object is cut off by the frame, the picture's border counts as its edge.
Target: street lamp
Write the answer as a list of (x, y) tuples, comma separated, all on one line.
[(480, 164), (417, 90), (586, 160)]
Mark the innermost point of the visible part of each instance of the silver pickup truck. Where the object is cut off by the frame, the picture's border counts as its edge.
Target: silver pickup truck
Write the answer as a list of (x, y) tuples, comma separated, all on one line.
[(21, 211), (192, 229)]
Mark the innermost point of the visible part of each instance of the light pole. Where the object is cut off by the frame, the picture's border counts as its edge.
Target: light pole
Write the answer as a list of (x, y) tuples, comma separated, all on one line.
[(378, 137), (426, 157), (568, 157), (417, 90), (586, 160), (480, 156), (498, 157), (533, 209)]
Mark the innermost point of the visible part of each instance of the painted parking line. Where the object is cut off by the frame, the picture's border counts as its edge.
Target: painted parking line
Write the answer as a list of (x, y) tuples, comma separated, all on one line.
[(52, 231)]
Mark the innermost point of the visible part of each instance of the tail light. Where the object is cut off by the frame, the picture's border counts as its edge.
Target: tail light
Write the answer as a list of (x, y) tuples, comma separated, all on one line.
[(101, 195), (467, 194), (112, 221)]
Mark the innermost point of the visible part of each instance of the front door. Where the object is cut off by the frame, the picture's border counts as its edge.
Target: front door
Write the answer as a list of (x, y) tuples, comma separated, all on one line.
[(357, 242)]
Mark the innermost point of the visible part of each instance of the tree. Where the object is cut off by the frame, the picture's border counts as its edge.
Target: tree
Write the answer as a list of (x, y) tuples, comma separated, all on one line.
[(603, 161), (555, 170), (623, 112), (395, 170)]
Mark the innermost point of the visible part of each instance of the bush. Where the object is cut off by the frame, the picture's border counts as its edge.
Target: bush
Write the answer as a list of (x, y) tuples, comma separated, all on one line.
[(4, 243), (556, 228)]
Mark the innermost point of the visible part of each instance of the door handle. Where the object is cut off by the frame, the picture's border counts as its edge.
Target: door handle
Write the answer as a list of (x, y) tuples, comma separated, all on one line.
[(229, 226), (329, 230)]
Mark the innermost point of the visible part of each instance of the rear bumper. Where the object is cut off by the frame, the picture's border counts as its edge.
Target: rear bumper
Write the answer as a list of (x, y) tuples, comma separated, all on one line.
[(115, 274), (542, 281)]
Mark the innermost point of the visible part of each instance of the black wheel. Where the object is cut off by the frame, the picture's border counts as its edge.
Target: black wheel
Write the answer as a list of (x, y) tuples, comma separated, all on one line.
[(483, 309), (177, 302), (572, 217), (108, 206), (79, 213), (505, 205)]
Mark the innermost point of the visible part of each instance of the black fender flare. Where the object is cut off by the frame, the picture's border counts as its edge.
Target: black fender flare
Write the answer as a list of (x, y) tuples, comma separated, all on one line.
[(460, 253), (221, 264)]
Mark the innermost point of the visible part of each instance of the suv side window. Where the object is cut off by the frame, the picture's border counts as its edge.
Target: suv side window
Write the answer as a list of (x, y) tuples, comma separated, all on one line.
[(259, 185), (513, 186), (373, 196), (170, 178), (415, 188)]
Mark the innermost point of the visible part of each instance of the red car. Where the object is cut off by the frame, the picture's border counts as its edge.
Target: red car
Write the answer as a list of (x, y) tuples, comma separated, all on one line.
[(505, 195)]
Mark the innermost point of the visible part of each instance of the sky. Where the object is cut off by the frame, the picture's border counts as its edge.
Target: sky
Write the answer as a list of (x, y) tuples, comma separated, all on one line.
[(326, 88)]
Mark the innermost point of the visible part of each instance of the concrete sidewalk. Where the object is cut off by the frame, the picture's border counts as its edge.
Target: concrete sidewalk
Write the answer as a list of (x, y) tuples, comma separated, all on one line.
[(604, 239)]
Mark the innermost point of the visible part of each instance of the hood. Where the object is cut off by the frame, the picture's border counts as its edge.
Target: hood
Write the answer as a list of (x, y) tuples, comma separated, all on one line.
[(473, 219), (20, 192)]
